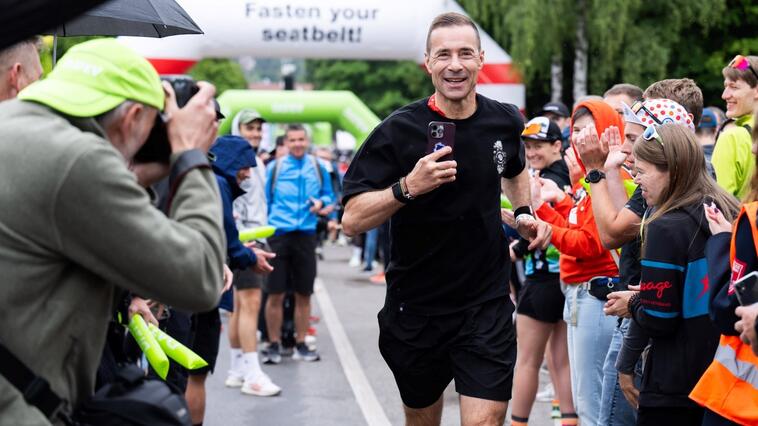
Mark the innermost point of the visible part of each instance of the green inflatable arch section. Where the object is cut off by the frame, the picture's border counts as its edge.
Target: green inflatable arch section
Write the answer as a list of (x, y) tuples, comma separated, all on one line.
[(341, 108)]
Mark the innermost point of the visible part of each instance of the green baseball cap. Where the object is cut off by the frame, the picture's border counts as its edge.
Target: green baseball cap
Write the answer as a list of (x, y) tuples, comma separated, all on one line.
[(96, 76)]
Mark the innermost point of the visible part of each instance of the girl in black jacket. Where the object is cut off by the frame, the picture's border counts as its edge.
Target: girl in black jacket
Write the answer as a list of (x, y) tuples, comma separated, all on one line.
[(672, 305)]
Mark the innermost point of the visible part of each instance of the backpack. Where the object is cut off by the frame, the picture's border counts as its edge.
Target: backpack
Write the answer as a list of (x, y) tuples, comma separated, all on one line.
[(276, 170)]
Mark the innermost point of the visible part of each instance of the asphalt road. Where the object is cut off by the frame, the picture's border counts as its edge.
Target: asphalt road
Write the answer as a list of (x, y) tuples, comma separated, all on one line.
[(351, 385)]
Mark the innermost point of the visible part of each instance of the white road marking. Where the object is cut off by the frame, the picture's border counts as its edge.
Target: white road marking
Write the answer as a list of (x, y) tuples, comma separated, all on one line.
[(370, 407)]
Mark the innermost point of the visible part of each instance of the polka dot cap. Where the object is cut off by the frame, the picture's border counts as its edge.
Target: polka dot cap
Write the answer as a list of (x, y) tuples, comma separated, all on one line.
[(666, 111)]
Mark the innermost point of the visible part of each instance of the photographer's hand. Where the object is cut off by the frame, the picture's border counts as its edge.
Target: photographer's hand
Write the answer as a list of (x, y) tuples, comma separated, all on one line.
[(195, 125)]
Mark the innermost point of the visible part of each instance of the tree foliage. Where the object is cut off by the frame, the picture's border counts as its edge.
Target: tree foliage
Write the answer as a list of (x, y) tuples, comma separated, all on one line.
[(225, 74), (383, 85), (632, 41)]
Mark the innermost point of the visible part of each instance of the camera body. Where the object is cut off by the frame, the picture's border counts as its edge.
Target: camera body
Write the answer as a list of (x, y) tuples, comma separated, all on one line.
[(157, 148)]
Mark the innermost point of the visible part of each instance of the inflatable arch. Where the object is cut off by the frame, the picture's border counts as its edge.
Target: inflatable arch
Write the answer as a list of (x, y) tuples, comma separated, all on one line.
[(342, 109), (338, 29)]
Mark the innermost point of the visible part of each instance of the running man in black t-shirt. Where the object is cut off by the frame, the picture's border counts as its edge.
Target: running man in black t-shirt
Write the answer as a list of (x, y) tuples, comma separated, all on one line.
[(447, 314)]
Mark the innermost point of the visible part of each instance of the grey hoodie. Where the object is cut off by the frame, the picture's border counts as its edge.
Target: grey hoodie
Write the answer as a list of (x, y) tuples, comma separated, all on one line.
[(250, 209)]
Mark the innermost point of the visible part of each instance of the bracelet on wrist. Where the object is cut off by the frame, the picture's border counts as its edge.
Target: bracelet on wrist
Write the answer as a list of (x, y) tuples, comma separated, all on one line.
[(404, 187)]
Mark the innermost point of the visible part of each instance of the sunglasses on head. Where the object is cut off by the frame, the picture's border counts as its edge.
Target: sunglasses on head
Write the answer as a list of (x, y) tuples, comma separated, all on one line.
[(638, 105), (741, 63), (651, 133)]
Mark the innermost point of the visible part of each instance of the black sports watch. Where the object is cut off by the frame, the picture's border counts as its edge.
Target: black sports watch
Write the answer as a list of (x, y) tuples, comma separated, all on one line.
[(594, 176)]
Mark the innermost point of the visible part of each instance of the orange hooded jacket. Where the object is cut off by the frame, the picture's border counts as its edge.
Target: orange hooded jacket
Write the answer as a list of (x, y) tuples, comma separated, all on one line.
[(575, 233)]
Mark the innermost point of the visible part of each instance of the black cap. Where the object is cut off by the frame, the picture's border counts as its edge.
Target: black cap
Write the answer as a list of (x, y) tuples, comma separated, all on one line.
[(542, 129), (557, 108)]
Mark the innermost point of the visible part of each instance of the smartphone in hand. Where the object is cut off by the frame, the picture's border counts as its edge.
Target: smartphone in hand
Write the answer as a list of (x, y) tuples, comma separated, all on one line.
[(746, 289), (439, 135)]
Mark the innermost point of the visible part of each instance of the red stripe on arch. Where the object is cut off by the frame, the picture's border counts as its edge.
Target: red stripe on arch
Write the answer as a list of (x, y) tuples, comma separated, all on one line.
[(499, 74), (172, 66)]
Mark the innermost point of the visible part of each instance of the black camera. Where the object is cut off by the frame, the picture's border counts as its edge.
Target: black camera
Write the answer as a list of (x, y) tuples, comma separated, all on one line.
[(157, 148)]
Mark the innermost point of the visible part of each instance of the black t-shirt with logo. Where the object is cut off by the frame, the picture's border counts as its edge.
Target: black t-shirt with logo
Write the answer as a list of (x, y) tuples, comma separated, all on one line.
[(448, 250)]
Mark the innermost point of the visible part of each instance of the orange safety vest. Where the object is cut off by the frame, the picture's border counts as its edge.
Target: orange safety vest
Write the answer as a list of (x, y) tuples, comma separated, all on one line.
[(729, 387)]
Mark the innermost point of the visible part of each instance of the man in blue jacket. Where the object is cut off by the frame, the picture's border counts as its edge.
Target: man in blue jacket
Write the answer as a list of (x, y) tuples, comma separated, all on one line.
[(232, 158), (297, 187)]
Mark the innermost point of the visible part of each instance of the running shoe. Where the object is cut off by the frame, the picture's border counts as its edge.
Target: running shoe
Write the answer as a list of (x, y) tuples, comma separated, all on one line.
[(260, 384), (273, 354), (234, 379), (304, 353)]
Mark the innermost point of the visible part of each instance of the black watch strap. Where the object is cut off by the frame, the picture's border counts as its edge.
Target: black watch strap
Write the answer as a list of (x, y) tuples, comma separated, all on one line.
[(397, 192), (594, 176)]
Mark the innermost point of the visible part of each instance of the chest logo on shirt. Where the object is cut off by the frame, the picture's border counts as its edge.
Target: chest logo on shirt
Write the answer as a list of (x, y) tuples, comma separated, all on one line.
[(498, 155)]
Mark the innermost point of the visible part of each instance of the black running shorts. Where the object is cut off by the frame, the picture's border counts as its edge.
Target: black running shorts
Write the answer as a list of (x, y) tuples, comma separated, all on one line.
[(294, 264), (475, 347), (541, 298), (206, 332)]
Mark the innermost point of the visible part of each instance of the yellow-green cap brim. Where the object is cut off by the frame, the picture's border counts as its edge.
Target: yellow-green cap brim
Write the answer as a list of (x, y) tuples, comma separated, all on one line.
[(70, 98)]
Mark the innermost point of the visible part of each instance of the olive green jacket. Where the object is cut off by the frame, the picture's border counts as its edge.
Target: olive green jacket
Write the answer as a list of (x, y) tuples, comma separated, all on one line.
[(74, 228)]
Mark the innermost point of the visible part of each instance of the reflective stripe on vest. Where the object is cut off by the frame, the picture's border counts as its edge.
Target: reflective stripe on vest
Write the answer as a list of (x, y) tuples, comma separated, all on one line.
[(742, 370)]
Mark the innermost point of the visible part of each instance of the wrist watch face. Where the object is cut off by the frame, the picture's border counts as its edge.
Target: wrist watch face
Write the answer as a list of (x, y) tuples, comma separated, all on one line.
[(594, 176)]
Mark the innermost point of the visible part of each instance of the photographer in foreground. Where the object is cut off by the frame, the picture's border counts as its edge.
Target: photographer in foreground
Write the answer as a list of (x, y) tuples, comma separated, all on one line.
[(76, 226)]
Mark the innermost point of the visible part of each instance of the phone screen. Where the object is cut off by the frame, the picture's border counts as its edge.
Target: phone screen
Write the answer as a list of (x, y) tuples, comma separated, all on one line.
[(439, 135), (746, 289)]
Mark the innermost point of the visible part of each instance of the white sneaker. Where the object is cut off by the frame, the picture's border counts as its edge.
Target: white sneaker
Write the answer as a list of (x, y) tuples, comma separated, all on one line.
[(547, 394), (234, 379), (355, 261), (260, 385)]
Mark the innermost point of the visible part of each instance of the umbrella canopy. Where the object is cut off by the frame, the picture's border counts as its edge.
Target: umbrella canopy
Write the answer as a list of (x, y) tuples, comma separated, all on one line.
[(141, 18), (21, 19)]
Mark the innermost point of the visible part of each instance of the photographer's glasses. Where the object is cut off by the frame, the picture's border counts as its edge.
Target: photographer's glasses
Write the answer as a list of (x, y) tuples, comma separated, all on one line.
[(651, 133), (639, 105), (741, 63)]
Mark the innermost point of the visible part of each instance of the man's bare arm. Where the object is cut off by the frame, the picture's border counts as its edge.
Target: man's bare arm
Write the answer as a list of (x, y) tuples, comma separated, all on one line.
[(517, 189), (368, 210)]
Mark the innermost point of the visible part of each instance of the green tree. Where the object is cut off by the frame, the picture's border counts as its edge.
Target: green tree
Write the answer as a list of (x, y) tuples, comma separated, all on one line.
[(383, 85), (631, 40), (225, 74)]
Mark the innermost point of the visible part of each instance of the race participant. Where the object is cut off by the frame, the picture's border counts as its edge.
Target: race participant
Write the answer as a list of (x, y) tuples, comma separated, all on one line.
[(733, 159), (726, 390), (539, 319), (672, 307), (588, 271), (447, 314), (297, 188)]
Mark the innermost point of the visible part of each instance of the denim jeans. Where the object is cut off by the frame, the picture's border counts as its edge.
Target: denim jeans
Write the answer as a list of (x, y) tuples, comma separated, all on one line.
[(369, 250), (589, 337), (614, 408)]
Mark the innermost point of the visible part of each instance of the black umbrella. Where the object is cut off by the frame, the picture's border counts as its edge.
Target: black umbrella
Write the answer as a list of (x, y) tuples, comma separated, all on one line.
[(22, 19), (140, 18)]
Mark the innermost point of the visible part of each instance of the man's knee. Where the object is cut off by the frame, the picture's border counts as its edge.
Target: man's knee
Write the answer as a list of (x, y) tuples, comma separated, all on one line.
[(249, 299), (427, 416)]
